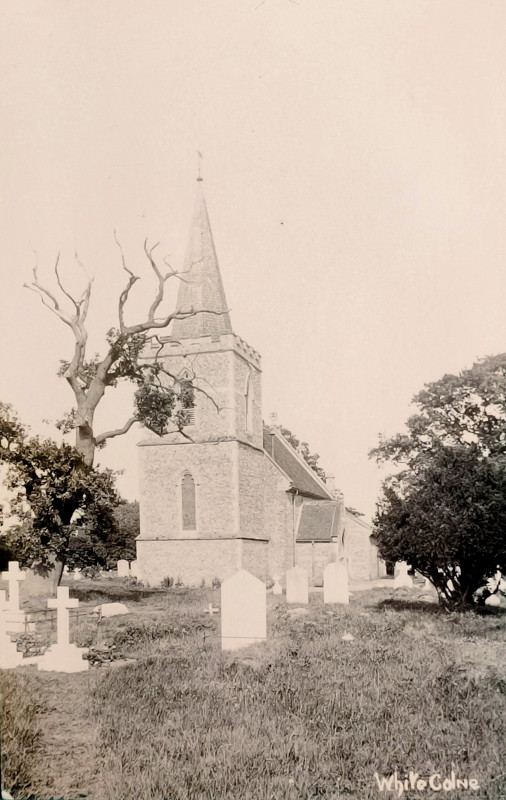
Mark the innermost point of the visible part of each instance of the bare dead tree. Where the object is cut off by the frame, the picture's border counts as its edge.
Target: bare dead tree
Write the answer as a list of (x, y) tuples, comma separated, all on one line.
[(158, 401)]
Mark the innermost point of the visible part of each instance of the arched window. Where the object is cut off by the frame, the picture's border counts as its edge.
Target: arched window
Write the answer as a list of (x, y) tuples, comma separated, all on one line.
[(188, 502), (248, 402)]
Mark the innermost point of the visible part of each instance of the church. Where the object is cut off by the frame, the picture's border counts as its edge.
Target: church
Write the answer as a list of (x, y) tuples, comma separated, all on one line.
[(232, 493)]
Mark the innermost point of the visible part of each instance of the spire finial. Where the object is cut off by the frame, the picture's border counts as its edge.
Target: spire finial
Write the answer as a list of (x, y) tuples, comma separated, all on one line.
[(200, 178)]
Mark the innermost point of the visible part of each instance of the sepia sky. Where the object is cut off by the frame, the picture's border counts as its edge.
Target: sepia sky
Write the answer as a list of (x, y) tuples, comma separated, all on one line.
[(355, 175)]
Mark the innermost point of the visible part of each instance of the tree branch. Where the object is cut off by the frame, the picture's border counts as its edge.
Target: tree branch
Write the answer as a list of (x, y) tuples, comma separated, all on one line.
[(117, 432)]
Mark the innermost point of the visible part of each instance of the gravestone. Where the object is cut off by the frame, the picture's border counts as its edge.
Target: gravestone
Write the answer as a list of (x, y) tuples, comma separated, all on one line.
[(63, 656), (15, 618), (111, 609), (243, 611), (297, 589), (123, 568), (335, 583), (77, 575), (277, 588), (9, 655), (134, 571), (402, 579)]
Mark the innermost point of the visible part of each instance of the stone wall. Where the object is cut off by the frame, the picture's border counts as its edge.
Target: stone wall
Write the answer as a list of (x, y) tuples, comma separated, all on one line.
[(363, 562), (315, 556), (254, 558), (250, 477), (190, 561), (213, 468), (278, 511)]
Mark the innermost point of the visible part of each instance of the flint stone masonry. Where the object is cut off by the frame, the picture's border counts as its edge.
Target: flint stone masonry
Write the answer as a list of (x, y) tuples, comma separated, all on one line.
[(297, 590), (243, 611)]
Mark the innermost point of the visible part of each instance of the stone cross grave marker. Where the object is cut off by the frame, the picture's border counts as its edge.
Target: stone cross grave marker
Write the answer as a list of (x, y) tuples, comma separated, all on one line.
[(335, 583), (63, 656), (9, 655), (277, 588), (243, 611), (13, 575), (297, 590), (402, 579), (211, 609), (16, 617), (123, 568)]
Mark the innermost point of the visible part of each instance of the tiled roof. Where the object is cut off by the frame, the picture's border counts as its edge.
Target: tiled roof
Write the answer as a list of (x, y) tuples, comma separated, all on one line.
[(201, 285), (302, 477), (319, 520)]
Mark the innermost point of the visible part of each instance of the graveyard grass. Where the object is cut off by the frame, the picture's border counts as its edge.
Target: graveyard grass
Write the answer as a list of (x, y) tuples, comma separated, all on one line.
[(306, 715)]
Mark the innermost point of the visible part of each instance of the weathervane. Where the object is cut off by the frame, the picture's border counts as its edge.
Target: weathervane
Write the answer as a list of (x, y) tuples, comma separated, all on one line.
[(200, 178)]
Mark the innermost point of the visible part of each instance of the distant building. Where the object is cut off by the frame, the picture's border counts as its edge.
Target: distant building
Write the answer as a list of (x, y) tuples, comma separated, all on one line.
[(235, 494)]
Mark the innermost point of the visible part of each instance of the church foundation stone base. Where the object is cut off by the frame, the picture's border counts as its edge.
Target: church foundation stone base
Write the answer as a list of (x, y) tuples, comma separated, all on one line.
[(196, 561)]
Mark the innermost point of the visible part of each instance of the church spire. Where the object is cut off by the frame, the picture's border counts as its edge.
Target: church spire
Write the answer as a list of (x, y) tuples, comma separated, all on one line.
[(201, 286)]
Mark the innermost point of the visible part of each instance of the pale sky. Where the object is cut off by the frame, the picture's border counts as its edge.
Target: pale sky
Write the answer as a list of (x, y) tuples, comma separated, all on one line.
[(355, 175)]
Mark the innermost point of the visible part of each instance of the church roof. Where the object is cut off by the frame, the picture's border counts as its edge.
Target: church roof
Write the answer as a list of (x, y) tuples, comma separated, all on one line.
[(201, 285), (302, 477), (319, 520)]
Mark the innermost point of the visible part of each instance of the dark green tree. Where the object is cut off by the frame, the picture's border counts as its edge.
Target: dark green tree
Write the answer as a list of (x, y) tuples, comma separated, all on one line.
[(444, 511), (122, 543), (64, 506)]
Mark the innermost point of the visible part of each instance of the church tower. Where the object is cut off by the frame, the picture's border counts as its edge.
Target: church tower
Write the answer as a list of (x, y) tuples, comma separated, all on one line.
[(202, 494)]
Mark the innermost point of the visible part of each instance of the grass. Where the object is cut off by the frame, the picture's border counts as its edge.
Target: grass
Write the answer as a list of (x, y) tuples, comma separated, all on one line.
[(306, 716)]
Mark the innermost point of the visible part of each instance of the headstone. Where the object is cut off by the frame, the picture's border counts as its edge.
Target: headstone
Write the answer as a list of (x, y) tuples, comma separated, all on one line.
[(9, 655), (277, 588), (63, 656), (77, 575), (335, 583), (111, 609), (134, 569), (211, 609), (243, 611), (123, 568), (402, 579), (297, 588)]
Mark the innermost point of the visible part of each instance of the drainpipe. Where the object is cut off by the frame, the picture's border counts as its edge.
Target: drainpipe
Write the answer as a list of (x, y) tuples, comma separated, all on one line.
[(294, 494)]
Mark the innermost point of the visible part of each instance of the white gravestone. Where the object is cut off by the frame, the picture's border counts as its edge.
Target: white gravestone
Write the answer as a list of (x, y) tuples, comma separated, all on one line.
[(16, 617), (77, 575), (63, 656), (277, 588), (335, 583), (9, 655), (134, 571), (297, 590), (402, 579), (123, 568), (243, 611)]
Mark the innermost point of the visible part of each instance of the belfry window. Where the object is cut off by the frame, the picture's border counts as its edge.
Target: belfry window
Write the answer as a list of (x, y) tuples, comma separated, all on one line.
[(188, 502)]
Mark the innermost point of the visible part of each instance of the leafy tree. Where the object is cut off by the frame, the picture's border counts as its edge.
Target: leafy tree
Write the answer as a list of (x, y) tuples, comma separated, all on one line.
[(160, 398), (457, 409), (444, 511), (65, 507), (303, 448), (448, 522), (122, 544)]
